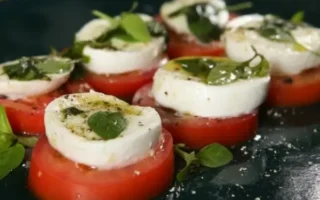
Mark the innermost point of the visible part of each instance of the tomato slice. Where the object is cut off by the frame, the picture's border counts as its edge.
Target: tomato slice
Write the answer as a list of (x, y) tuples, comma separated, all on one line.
[(53, 177), (197, 132), (179, 47), (77, 86), (122, 85), (298, 90), (26, 115)]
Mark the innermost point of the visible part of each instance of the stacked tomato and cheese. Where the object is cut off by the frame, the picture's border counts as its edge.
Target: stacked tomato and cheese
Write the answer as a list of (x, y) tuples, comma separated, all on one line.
[(27, 85), (292, 49), (121, 54), (195, 27), (203, 100), (100, 147)]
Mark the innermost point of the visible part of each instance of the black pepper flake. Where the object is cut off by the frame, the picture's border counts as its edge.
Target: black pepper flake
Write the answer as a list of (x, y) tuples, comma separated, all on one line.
[(208, 99), (66, 96), (188, 78), (140, 123), (166, 93), (149, 129), (288, 80)]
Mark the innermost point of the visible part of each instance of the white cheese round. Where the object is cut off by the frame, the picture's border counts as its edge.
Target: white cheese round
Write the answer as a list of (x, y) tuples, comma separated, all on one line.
[(176, 90), (179, 23), (73, 138), (284, 59), (16, 89), (131, 57)]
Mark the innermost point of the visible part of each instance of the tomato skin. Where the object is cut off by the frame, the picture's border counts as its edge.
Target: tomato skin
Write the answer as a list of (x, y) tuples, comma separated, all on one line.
[(298, 90), (53, 177), (198, 132), (77, 86), (26, 115), (122, 85)]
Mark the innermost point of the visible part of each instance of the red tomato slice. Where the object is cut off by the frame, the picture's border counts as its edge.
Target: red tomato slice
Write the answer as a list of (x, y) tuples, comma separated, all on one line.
[(199, 132), (26, 115), (179, 47), (299, 90), (78, 86), (122, 85), (53, 177)]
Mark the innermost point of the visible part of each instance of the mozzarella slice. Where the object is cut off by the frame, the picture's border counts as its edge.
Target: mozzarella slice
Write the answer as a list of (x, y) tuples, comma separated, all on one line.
[(16, 89), (131, 57), (179, 23), (189, 95), (73, 138), (284, 59)]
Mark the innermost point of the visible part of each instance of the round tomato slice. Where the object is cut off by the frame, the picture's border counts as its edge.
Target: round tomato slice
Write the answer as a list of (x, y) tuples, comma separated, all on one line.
[(197, 132), (122, 85), (179, 47), (298, 90), (53, 177), (26, 115)]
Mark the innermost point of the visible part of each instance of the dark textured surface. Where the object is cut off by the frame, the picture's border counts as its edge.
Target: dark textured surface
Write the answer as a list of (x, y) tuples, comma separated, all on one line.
[(283, 165)]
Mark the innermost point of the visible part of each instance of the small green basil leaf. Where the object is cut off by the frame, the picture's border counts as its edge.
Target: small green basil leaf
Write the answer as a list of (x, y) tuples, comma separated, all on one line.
[(179, 12), (107, 125), (135, 26), (275, 34), (223, 73), (189, 158), (239, 6), (134, 6), (54, 66), (200, 24), (6, 140), (71, 111), (197, 66), (4, 122), (297, 18), (10, 159), (75, 51), (214, 155), (27, 141), (113, 22)]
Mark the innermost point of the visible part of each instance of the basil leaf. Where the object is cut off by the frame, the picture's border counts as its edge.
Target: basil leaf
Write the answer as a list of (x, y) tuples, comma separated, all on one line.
[(10, 159), (75, 51), (78, 73), (135, 26), (189, 158), (27, 141), (71, 111), (223, 73), (197, 66), (54, 66), (214, 155), (6, 140), (113, 22), (297, 18), (4, 122), (239, 6), (25, 70), (134, 6), (200, 24), (182, 11), (107, 125)]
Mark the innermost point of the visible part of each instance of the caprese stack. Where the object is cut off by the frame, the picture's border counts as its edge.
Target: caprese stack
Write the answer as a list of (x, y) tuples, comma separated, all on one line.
[(120, 54), (99, 147), (27, 85), (195, 26), (292, 49), (203, 100)]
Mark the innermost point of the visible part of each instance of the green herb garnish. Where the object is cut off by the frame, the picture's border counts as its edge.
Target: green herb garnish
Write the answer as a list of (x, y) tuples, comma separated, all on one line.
[(220, 72), (106, 124), (71, 111), (199, 22), (212, 156), (11, 152), (36, 68), (297, 18)]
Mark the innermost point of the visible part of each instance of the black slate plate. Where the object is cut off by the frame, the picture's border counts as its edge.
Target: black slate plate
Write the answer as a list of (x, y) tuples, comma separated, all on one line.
[(281, 163)]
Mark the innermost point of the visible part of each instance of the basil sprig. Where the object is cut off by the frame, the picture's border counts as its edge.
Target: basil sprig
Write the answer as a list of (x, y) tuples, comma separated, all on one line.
[(222, 72), (200, 22), (11, 146), (107, 125), (29, 68), (212, 156)]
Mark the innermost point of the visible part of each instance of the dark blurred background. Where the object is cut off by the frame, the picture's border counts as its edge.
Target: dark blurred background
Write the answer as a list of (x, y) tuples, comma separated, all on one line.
[(30, 27)]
